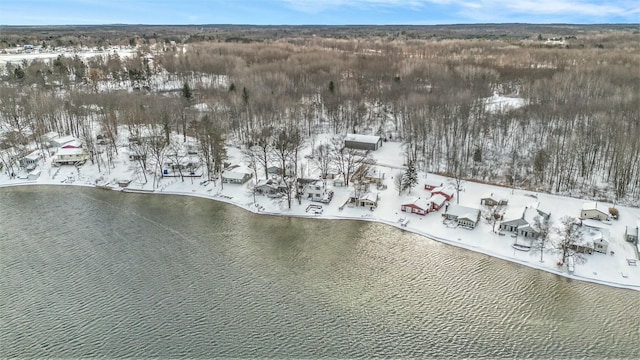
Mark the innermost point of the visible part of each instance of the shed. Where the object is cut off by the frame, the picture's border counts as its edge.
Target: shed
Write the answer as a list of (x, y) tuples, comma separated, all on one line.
[(34, 175), (631, 234), (432, 184), (493, 200)]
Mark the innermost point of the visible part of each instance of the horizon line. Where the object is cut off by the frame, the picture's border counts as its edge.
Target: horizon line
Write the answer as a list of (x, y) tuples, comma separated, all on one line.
[(324, 25)]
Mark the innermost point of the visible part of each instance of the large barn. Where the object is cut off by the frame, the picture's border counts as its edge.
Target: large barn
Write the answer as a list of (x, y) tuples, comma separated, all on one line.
[(362, 142)]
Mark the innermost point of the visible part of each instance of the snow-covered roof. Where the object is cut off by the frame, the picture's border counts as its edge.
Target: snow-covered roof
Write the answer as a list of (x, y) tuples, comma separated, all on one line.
[(595, 206), (438, 199), (530, 213), (462, 211), (236, 175), (64, 140), (444, 190), (595, 224), (50, 135), (370, 196), (73, 143), (369, 139), (419, 202), (33, 156), (495, 197), (69, 151), (590, 236)]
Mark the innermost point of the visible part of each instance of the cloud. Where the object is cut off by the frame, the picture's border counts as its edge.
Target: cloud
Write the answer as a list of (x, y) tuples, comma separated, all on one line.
[(316, 6), (558, 9)]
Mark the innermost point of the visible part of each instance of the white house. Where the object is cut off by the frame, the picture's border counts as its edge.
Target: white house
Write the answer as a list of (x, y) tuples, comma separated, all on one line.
[(464, 216), (70, 156), (365, 199), (236, 176), (312, 189), (594, 210), (524, 225), (31, 160)]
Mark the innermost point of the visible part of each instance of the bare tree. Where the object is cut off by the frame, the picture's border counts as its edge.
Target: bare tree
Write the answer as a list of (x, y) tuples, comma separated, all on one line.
[(399, 182), (285, 149), (347, 160), (541, 227), (322, 159), (568, 234)]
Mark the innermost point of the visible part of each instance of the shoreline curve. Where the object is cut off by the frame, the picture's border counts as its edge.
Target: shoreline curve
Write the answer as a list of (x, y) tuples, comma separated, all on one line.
[(426, 235)]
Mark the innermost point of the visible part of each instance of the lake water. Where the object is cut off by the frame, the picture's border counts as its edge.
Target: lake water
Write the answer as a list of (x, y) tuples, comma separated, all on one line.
[(87, 272)]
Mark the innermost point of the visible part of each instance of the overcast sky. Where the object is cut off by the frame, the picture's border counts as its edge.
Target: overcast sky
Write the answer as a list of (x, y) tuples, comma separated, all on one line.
[(326, 12)]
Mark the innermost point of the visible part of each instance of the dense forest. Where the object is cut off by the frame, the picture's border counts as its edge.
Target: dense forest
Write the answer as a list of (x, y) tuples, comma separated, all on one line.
[(576, 130)]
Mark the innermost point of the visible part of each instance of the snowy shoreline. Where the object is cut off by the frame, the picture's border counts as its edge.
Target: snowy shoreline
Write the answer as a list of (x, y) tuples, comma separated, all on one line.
[(256, 210)]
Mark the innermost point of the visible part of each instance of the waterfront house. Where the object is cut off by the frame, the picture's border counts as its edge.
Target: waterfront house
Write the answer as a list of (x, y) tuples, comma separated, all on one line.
[(30, 161), (367, 199), (524, 225), (465, 216), (418, 206), (312, 189), (362, 142), (70, 156), (594, 210), (270, 187), (437, 201), (236, 176)]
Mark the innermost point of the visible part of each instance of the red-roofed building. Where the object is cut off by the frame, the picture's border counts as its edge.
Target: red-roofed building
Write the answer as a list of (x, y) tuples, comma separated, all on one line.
[(447, 192), (418, 206)]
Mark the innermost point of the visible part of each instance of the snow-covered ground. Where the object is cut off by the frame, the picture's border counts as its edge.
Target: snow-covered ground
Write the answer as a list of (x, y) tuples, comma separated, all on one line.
[(16, 57), (611, 268)]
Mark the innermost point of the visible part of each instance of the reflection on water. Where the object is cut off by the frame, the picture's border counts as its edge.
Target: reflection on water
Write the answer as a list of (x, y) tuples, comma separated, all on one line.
[(89, 272)]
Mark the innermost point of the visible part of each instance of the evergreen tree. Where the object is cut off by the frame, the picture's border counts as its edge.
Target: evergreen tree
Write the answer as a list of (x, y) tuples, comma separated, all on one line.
[(186, 91), (410, 177)]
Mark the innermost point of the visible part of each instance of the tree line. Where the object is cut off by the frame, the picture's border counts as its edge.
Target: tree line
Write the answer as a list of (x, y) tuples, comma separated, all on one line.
[(576, 131)]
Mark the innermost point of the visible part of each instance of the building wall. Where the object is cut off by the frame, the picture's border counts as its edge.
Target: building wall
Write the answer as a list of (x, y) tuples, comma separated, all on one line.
[(600, 247), (593, 214), (466, 222), (361, 146)]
